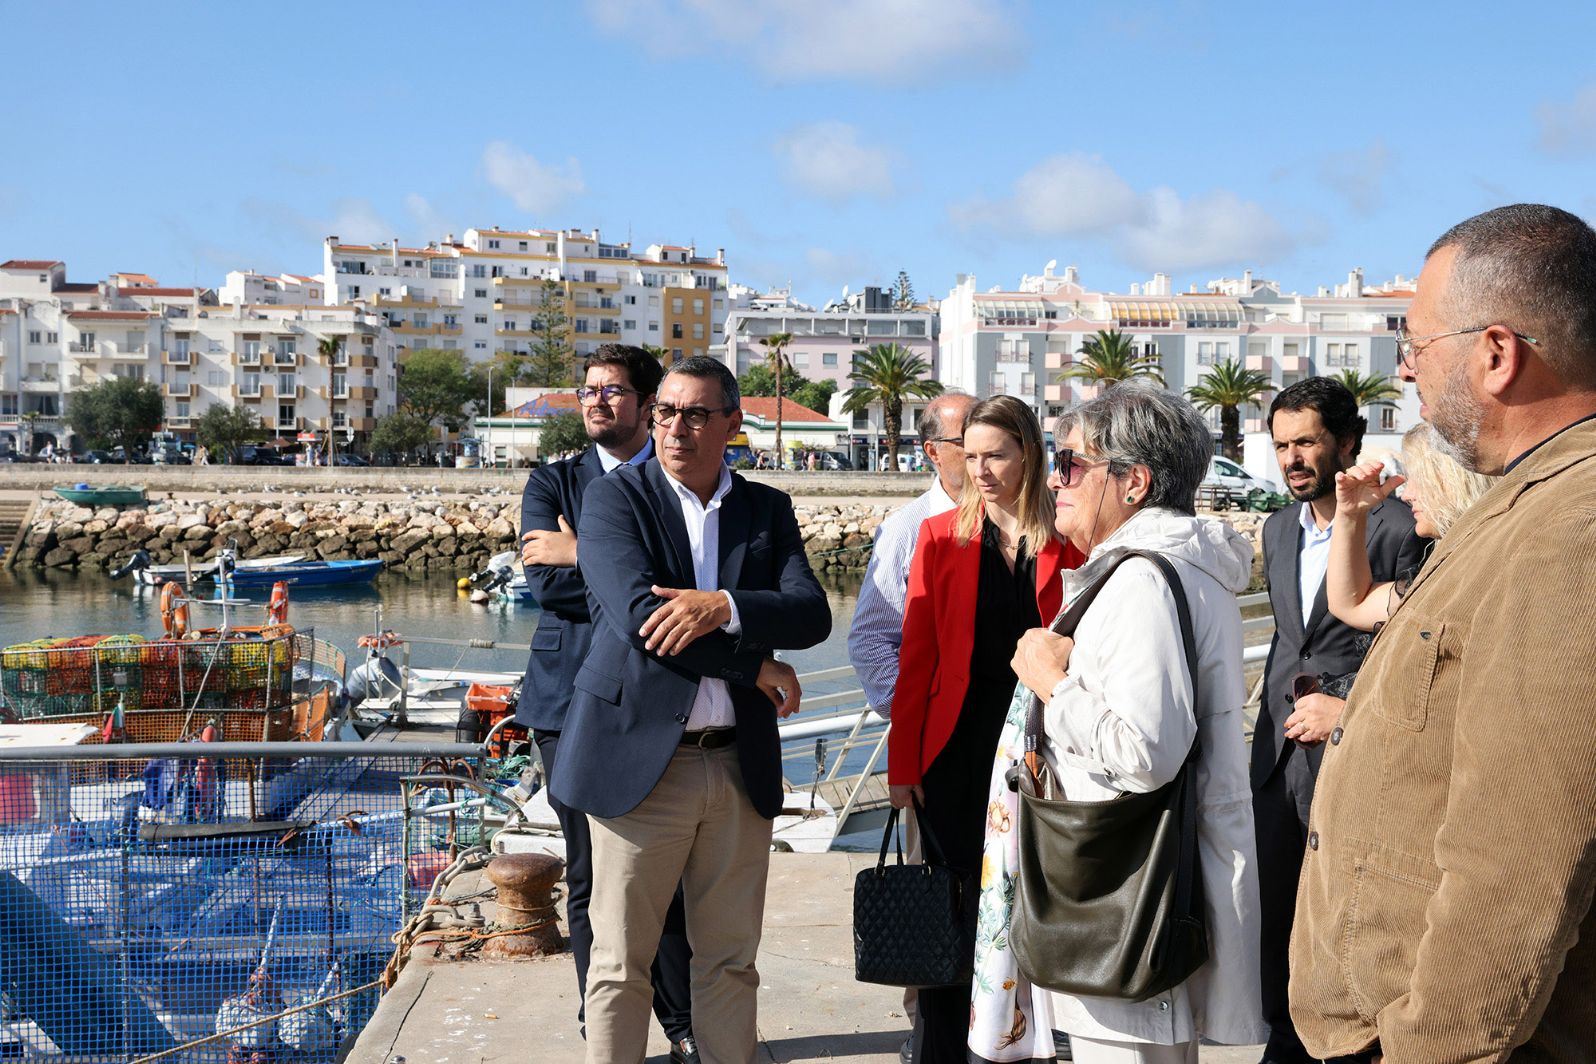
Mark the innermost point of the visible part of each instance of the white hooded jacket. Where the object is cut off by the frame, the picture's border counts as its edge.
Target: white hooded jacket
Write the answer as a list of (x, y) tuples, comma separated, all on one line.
[(1123, 720)]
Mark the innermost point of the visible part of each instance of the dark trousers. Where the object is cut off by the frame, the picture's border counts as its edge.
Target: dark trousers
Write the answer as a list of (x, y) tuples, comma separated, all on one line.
[(1280, 814), (672, 980), (956, 788)]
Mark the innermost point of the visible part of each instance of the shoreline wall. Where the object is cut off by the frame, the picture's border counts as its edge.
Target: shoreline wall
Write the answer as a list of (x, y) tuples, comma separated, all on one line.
[(454, 535)]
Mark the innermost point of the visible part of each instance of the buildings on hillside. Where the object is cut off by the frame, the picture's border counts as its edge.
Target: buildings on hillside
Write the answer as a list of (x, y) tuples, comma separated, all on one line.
[(272, 358), (824, 341), (482, 293)]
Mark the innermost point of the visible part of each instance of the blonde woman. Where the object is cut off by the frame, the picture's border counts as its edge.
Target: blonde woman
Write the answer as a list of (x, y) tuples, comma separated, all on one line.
[(982, 575), (1438, 489)]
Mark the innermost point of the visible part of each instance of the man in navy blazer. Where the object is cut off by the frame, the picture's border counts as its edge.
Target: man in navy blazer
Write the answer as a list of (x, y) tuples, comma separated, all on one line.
[(694, 577), (617, 393)]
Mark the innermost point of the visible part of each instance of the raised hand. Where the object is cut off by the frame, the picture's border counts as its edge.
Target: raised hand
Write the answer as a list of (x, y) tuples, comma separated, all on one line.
[(1358, 490)]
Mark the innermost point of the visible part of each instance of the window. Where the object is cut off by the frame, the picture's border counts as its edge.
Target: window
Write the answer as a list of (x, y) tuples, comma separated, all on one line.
[(1291, 350), (52, 338), (676, 353), (1393, 322), (215, 378), (1341, 355), (581, 325), (384, 292), (550, 248), (249, 384), (629, 324), (354, 291), (676, 305), (1388, 419), (285, 384), (182, 408), (653, 326), (479, 270), (676, 331), (451, 321), (480, 293), (829, 358), (717, 329), (251, 351), (800, 359), (698, 306), (493, 245), (1222, 351), (509, 325), (631, 301), (653, 301), (1027, 384), (34, 336), (1205, 352), (480, 319), (698, 331), (861, 419), (285, 413), (590, 276), (521, 245), (480, 345)]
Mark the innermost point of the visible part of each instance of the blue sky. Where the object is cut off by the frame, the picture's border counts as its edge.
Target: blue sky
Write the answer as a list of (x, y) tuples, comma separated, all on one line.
[(822, 142)]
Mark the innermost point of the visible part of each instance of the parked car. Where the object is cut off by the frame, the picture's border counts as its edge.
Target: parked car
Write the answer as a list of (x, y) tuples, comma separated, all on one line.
[(1231, 479), (92, 458), (344, 458), (251, 454), (17, 456), (836, 460)]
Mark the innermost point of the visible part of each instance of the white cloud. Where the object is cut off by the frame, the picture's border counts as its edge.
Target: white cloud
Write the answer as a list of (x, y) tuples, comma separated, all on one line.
[(891, 41), (1568, 129), (1078, 196), (353, 219), (1358, 176), (427, 219), (828, 159), (533, 186), (837, 267), (357, 221)]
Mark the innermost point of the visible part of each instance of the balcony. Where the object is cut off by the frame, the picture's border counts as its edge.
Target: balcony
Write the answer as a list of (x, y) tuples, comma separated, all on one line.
[(50, 385), (173, 421), (256, 392), (1294, 364), (177, 358), (362, 424), (288, 424), (1262, 363), (177, 391), (527, 305), (285, 359), (527, 334), (1057, 359), (363, 361), (360, 391), (246, 358), (79, 348)]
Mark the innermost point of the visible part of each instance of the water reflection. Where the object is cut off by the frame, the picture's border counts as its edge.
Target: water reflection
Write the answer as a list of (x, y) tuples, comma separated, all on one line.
[(35, 604)]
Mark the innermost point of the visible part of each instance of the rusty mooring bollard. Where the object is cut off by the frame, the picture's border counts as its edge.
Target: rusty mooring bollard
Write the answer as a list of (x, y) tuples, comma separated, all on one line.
[(525, 882)]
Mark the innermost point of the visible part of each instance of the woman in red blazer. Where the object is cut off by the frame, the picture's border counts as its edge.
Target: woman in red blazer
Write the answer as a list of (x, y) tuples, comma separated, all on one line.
[(982, 575)]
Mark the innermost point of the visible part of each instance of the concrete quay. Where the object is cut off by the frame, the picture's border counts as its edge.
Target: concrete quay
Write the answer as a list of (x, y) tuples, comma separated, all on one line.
[(524, 1012)]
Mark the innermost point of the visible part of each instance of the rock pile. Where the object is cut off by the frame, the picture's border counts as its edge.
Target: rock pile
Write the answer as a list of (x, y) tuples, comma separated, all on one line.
[(839, 537)]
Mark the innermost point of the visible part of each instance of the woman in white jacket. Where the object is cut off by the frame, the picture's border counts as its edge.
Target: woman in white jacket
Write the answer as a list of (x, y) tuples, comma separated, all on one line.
[(1119, 718)]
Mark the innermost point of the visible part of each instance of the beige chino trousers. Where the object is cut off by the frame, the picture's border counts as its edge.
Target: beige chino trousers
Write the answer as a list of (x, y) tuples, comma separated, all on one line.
[(698, 827)]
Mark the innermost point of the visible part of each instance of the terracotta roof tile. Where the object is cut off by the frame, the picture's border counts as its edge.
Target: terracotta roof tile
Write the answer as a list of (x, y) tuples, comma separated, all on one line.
[(112, 315), (135, 293), (29, 264), (764, 408)]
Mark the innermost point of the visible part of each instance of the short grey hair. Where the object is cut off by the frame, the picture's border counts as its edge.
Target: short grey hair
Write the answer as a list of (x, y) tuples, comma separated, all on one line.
[(1139, 423), (1531, 268), (929, 424), (704, 367)]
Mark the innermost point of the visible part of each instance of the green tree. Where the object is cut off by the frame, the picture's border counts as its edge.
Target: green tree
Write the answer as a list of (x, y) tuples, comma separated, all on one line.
[(1374, 389), (435, 386), (400, 432), (759, 379), (658, 352), (327, 347), (775, 346), (562, 432), (903, 292), (549, 365), (117, 411), (888, 374), (1229, 387), (1109, 357), (514, 366), (222, 429)]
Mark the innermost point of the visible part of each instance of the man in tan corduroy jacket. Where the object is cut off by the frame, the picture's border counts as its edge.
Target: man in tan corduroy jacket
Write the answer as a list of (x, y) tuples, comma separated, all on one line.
[(1445, 913)]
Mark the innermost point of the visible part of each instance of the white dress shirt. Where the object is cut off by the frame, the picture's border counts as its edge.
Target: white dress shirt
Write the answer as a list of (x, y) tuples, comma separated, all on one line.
[(712, 708), (1313, 559), (609, 463), (877, 630)]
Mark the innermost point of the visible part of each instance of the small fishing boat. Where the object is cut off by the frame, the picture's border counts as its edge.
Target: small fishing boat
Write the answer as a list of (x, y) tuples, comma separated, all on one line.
[(503, 579), (198, 572), (103, 494), (310, 574)]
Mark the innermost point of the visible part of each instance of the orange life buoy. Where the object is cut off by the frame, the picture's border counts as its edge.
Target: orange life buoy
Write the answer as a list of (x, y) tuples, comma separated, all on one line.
[(277, 608), (174, 610)]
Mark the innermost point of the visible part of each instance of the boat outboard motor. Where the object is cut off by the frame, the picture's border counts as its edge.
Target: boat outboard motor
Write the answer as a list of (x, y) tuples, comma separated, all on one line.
[(139, 560)]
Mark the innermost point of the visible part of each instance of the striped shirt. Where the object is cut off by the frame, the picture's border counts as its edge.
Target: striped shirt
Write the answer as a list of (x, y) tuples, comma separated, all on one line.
[(877, 630)]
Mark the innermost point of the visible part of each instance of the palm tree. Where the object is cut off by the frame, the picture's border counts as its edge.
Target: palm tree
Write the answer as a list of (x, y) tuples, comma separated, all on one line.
[(1109, 357), (327, 347), (888, 374), (1229, 387), (776, 358), (658, 352), (1376, 389)]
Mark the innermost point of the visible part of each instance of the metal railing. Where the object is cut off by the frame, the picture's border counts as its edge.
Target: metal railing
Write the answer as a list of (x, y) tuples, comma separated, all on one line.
[(210, 902)]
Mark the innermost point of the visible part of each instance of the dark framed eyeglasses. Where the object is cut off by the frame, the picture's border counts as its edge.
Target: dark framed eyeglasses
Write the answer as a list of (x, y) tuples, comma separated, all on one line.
[(695, 416), (1408, 352), (1071, 468), (607, 394)]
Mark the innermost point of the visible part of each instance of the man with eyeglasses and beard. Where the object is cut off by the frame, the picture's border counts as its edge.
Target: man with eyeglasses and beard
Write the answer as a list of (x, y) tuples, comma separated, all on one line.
[(616, 395), (1317, 432), (695, 578), (1445, 908)]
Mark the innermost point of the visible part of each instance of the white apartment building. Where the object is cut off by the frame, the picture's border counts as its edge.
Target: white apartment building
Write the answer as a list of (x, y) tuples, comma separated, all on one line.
[(292, 289), (56, 337), (824, 341), (480, 294), (1017, 342)]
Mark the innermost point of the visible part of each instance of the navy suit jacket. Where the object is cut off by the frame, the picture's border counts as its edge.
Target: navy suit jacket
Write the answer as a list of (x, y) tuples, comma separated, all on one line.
[(1319, 643), (565, 629), (630, 706)]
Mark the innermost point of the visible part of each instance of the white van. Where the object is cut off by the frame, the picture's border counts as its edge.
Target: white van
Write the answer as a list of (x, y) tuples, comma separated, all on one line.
[(1230, 477)]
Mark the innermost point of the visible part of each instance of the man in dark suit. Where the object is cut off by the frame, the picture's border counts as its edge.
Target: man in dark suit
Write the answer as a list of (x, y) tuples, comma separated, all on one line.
[(694, 577), (1317, 433), (617, 393)]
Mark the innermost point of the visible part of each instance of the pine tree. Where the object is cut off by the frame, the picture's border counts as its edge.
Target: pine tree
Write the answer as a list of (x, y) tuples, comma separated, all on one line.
[(549, 365), (903, 292)]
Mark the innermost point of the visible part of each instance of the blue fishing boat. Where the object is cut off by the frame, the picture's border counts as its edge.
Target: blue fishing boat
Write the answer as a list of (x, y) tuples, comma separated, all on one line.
[(310, 574)]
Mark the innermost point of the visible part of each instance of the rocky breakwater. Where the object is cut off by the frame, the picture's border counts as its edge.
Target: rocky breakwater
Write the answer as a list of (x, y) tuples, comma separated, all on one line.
[(414, 536), (839, 537)]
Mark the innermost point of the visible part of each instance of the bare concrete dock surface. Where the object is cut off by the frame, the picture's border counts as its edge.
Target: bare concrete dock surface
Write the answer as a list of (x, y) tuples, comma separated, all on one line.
[(810, 1007)]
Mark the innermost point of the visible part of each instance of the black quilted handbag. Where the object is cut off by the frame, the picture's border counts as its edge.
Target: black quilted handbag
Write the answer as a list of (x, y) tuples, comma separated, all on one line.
[(913, 925)]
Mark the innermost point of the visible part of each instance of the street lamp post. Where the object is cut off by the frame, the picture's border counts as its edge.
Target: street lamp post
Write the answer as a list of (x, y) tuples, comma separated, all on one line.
[(487, 427)]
